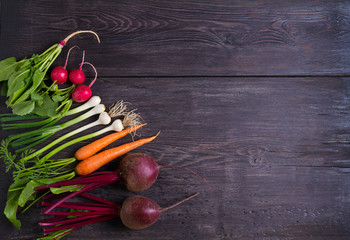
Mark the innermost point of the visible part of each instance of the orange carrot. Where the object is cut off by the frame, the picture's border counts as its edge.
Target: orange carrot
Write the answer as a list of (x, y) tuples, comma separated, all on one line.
[(93, 163), (94, 147)]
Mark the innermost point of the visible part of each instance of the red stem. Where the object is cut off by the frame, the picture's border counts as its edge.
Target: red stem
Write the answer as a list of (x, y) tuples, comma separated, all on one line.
[(79, 206), (65, 214), (97, 199), (89, 187), (84, 180), (79, 224), (66, 221)]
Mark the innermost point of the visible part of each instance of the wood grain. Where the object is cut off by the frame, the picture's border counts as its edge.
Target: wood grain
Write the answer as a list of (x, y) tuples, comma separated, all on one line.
[(189, 38), (275, 149), (252, 95)]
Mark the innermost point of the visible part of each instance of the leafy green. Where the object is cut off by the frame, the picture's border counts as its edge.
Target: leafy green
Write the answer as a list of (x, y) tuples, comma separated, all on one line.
[(23, 108), (13, 195), (28, 175), (64, 189), (56, 235), (45, 107), (17, 81), (28, 192), (7, 67), (25, 85)]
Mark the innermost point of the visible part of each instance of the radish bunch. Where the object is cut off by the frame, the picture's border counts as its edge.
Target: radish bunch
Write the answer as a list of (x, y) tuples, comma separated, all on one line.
[(76, 76)]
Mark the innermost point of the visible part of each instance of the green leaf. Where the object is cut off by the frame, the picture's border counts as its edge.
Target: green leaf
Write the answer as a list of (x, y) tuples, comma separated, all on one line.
[(36, 97), (37, 79), (17, 81), (57, 235), (7, 62), (47, 109), (28, 193), (11, 207), (64, 189), (10, 211), (7, 67), (23, 108), (27, 81), (57, 98)]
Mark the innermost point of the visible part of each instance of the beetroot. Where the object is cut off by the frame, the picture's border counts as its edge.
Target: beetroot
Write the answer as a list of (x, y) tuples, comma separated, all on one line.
[(136, 212), (139, 212), (137, 172)]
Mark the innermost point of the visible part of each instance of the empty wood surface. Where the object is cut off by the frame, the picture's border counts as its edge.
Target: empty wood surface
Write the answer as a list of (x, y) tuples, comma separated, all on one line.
[(252, 95)]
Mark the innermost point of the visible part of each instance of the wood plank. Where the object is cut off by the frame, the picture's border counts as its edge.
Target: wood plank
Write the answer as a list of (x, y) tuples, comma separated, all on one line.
[(275, 149), (188, 38)]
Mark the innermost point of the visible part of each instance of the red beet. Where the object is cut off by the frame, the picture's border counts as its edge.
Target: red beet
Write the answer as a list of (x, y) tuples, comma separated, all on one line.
[(139, 212), (138, 171), (136, 212)]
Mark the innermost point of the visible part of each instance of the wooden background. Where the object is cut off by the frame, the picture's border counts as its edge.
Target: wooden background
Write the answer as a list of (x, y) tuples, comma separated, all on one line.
[(252, 95)]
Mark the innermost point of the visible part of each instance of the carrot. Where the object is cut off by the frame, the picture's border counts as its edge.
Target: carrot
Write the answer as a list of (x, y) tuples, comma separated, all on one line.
[(94, 162), (94, 147)]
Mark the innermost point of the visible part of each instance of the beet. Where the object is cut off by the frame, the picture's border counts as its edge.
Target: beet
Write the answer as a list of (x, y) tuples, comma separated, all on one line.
[(138, 171), (139, 212), (136, 212)]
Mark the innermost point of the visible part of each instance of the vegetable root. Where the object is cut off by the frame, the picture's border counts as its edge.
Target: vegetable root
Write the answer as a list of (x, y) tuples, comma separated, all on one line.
[(94, 162), (64, 41), (136, 212)]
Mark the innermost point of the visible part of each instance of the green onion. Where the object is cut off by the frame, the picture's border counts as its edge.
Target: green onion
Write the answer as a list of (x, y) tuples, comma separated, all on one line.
[(103, 119)]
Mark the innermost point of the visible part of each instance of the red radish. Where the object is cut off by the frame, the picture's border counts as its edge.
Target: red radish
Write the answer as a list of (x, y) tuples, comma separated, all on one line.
[(136, 212), (137, 172), (82, 92), (60, 74), (77, 76)]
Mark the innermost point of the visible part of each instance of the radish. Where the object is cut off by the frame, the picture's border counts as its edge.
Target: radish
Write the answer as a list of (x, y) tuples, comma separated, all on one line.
[(137, 172), (136, 212), (60, 74), (82, 92), (77, 76)]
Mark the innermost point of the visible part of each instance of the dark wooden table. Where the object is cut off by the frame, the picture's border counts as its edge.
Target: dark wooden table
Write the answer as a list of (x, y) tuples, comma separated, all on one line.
[(252, 95)]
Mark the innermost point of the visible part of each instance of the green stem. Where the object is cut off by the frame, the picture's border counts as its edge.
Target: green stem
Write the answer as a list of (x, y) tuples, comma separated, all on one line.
[(76, 140), (19, 118), (36, 200), (33, 144), (20, 142), (49, 49), (8, 126), (67, 135), (53, 121), (51, 129)]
